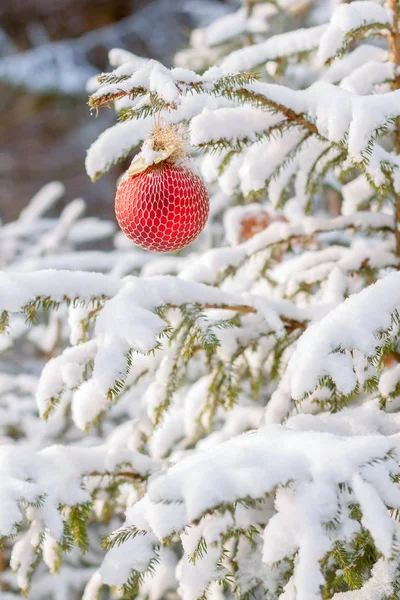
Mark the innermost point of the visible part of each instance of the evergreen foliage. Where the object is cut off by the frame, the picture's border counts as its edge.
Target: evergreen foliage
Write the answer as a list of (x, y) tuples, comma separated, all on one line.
[(239, 400)]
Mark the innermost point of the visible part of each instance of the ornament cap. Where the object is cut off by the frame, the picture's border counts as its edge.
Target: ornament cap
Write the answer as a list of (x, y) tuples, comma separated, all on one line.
[(165, 142), (140, 163)]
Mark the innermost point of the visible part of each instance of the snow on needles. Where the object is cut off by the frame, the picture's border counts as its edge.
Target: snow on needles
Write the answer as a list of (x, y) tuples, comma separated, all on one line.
[(254, 465), (120, 140), (343, 118), (149, 75), (28, 476), (277, 46), (346, 19), (115, 335), (17, 290), (326, 348), (208, 265), (233, 124)]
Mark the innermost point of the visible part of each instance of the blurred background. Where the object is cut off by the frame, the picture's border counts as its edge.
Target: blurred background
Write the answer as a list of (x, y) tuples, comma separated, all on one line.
[(48, 50)]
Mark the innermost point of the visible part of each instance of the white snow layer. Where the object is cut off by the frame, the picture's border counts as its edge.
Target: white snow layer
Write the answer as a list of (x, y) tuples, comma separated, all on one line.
[(326, 347), (27, 475), (347, 18), (277, 46), (303, 464)]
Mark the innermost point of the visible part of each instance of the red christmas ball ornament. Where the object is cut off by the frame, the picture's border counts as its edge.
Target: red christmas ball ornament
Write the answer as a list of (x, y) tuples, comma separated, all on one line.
[(164, 206)]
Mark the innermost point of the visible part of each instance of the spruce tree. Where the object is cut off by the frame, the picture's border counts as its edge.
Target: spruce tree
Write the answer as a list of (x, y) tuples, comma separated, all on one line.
[(239, 399)]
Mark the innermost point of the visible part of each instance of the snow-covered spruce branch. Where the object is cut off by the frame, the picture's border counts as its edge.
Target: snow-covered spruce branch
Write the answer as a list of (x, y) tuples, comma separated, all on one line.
[(278, 46), (216, 263), (58, 502), (164, 85), (97, 370), (354, 344), (350, 23), (48, 289), (31, 291), (314, 111), (350, 343), (262, 488)]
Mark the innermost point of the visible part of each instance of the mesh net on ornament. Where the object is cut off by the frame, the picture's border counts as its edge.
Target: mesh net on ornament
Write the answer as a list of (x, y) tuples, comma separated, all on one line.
[(164, 208)]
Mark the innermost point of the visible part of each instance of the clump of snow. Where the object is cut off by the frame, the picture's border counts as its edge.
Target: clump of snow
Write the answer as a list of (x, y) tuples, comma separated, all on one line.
[(341, 69), (277, 46), (135, 554), (347, 18), (389, 380), (230, 124), (64, 371), (325, 348), (227, 27), (363, 80), (27, 475)]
